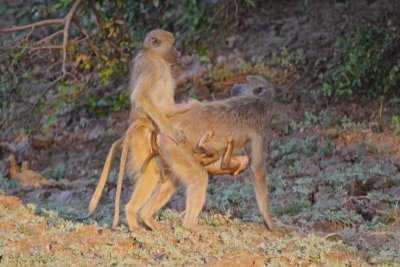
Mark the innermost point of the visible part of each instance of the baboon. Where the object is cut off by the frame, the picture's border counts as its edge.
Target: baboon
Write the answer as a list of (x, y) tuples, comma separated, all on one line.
[(152, 99), (245, 119)]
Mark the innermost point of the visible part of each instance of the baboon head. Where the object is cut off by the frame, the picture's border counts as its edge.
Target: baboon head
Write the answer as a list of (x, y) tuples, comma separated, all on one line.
[(255, 85), (161, 44)]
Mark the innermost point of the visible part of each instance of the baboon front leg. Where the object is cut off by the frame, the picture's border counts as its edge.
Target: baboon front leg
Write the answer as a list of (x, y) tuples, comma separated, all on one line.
[(104, 175), (159, 198), (189, 171)]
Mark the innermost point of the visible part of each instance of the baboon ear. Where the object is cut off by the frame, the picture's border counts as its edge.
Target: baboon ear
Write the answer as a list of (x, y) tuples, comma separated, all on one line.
[(154, 42)]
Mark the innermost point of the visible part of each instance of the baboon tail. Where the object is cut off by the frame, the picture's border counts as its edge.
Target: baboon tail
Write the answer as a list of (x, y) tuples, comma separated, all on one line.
[(122, 167), (104, 175)]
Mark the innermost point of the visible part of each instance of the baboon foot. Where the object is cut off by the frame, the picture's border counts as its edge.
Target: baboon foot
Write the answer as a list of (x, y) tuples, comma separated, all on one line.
[(151, 223), (198, 229), (243, 161), (132, 221)]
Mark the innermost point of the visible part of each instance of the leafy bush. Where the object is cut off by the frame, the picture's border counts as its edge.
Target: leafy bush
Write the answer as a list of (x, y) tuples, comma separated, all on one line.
[(364, 58)]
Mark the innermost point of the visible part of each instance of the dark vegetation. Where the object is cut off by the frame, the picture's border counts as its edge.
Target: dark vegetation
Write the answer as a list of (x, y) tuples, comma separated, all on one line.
[(334, 156)]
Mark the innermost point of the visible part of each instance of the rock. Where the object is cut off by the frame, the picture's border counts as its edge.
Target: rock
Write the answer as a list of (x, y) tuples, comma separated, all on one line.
[(64, 197), (312, 170), (95, 133)]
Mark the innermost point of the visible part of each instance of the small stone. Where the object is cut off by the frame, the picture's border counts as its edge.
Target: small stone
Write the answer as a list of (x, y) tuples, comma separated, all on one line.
[(64, 197)]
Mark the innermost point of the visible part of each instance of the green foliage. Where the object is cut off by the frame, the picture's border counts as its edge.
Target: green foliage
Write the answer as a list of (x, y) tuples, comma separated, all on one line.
[(7, 183), (362, 59), (104, 104), (288, 59), (292, 208)]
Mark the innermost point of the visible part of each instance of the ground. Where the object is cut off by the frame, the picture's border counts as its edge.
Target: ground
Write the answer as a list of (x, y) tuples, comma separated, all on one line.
[(334, 180)]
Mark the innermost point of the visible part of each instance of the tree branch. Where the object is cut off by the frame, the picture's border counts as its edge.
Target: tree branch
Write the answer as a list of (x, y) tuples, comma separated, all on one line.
[(68, 19), (33, 25)]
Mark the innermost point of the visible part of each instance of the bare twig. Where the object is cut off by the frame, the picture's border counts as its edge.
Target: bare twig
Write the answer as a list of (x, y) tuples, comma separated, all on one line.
[(46, 90), (33, 25), (49, 47), (89, 40), (68, 19), (49, 38), (97, 15)]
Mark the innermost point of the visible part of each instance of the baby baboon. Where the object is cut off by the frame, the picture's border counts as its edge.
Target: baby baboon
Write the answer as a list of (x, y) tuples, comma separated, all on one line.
[(245, 119), (207, 155)]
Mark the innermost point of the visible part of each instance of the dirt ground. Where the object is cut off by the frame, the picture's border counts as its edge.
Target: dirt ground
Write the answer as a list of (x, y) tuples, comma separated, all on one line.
[(334, 180)]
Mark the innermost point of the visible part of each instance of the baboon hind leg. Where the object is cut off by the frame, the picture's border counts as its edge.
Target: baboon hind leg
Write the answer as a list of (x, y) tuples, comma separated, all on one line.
[(145, 182), (159, 198), (104, 175)]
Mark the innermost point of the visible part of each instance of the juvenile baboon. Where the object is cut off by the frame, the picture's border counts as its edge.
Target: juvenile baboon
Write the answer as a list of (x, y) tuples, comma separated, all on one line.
[(245, 119), (152, 99)]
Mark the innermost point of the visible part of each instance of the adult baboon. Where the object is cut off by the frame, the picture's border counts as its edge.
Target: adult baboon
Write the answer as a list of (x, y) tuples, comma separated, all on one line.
[(245, 119)]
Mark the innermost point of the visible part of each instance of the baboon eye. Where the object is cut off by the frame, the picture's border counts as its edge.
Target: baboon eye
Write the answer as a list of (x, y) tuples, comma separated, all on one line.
[(258, 90)]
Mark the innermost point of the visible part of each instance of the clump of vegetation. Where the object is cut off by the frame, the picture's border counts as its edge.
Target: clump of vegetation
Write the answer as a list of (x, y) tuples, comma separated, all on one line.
[(364, 60), (85, 68)]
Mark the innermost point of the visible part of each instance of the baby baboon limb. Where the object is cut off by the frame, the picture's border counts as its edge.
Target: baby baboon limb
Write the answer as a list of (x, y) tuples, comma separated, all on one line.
[(203, 152)]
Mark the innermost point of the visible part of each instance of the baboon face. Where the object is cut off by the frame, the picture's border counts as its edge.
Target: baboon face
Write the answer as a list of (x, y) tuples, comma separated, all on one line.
[(255, 86), (161, 43)]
